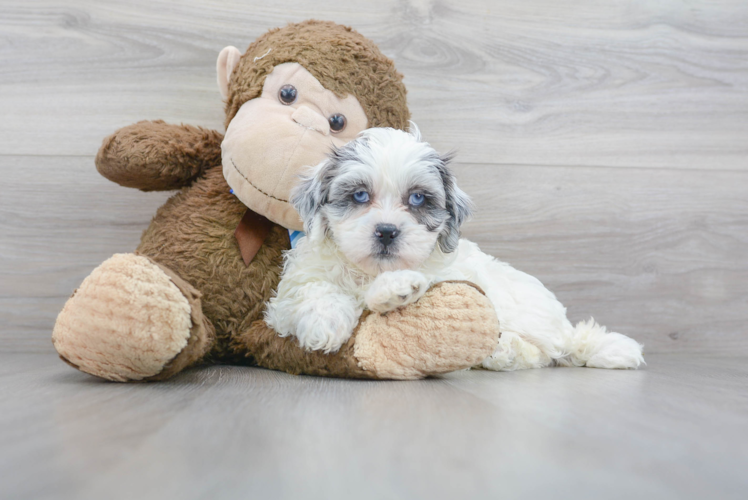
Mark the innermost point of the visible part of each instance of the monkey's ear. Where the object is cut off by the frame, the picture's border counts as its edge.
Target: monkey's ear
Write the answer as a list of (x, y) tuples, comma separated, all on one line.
[(227, 61)]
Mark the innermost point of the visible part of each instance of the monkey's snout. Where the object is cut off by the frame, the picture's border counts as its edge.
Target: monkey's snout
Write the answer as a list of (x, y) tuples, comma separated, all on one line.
[(307, 117)]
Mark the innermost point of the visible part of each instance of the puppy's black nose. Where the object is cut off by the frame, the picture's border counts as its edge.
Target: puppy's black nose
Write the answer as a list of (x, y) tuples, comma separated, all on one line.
[(386, 233)]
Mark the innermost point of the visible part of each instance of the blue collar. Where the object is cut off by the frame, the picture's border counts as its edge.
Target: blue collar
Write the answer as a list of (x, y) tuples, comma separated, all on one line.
[(294, 236)]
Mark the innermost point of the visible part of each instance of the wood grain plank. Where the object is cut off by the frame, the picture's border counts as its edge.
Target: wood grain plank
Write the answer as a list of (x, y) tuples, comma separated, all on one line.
[(228, 432), (58, 220), (655, 253), (645, 84), (637, 84), (539, 99)]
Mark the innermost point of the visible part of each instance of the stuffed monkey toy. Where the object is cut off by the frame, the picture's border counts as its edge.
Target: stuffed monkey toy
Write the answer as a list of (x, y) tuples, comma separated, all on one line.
[(195, 288)]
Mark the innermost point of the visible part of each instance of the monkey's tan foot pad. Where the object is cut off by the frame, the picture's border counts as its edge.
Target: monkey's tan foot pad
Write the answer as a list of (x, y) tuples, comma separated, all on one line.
[(127, 321), (452, 327)]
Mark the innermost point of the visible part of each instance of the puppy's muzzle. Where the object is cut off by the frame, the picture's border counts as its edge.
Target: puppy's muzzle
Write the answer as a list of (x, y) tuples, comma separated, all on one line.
[(386, 233)]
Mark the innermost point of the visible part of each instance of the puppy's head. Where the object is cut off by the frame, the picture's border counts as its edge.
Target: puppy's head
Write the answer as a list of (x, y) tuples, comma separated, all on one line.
[(386, 199)]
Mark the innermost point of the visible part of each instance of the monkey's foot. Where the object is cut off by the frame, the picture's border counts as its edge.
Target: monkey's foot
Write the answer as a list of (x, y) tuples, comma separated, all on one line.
[(452, 327), (132, 319)]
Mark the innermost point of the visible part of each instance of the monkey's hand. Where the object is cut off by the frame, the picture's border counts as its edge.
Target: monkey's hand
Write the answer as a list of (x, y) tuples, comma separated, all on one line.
[(394, 289), (157, 156)]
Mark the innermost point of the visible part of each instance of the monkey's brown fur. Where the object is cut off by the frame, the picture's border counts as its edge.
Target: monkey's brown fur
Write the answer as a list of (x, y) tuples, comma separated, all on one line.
[(192, 237), (341, 59), (154, 156)]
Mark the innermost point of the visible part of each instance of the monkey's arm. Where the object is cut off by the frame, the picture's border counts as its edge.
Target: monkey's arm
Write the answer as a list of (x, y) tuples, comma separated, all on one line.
[(157, 156)]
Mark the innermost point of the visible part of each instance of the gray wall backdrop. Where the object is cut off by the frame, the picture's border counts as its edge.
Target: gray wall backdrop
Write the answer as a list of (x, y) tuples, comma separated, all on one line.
[(606, 143)]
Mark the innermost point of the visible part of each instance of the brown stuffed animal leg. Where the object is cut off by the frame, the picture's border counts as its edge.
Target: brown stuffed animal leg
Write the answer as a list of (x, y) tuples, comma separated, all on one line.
[(132, 319), (452, 327)]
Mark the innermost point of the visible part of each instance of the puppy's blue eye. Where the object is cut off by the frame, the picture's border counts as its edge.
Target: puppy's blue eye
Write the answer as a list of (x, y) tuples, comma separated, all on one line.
[(360, 196), (416, 199)]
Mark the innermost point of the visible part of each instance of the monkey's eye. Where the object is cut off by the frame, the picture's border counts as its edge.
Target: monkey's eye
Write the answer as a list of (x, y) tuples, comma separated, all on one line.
[(337, 122), (416, 199), (287, 94), (360, 196)]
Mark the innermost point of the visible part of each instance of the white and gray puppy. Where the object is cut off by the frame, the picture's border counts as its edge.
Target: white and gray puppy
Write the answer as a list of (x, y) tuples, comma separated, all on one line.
[(382, 216)]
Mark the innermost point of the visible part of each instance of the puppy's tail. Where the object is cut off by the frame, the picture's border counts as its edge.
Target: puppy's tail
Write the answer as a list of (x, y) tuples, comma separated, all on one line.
[(592, 345)]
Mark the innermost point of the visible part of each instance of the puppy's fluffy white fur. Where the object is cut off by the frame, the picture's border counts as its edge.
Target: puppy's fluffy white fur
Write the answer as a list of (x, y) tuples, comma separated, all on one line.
[(382, 216)]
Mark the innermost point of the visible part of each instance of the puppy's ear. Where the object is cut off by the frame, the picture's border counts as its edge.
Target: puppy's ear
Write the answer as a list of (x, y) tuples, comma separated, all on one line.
[(306, 196), (311, 193), (414, 130), (458, 204)]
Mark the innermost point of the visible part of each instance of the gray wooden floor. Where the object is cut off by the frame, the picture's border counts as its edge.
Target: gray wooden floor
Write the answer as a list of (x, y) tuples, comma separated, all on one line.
[(677, 429), (606, 146)]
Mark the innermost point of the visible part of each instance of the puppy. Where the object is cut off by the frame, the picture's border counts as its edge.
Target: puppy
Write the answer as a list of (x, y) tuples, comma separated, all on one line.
[(382, 217)]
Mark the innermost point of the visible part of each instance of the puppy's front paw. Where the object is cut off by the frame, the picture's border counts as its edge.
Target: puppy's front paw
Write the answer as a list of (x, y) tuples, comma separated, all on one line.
[(328, 325), (395, 289)]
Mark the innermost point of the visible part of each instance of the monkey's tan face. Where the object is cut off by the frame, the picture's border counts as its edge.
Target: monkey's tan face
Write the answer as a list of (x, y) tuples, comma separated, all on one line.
[(293, 124)]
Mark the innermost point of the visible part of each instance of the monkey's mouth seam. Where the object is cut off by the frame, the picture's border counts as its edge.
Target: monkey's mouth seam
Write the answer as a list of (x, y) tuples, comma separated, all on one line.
[(251, 184)]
